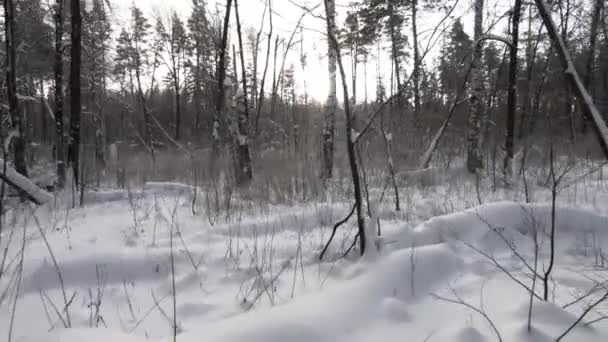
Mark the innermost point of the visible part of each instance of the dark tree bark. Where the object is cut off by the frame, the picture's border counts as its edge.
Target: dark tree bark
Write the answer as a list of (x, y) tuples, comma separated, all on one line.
[(244, 172), (58, 93), (75, 101), (18, 129), (221, 76), (512, 96)]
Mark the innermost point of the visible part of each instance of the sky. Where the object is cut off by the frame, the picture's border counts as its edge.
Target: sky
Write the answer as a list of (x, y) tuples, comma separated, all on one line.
[(314, 44)]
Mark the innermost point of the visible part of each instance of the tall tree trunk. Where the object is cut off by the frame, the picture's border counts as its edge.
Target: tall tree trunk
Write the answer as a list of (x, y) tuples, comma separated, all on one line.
[(146, 112), (590, 62), (197, 94), (263, 81), (568, 100), (365, 81), (244, 171), (512, 96), (331, 105), (585, 99), (221, 76), (255, 55), (273, 98), (75, 105), (531, 52), (474, 158), (178, 111), (330, 14), (58, 93), (416, 71), (19, 145), (354, 55), (394, 51)]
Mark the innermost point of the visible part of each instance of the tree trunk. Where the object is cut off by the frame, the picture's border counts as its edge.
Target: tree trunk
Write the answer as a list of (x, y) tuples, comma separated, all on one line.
[(221, 75), (244, 172), (331, 105), (568, 101), (531, 52), (330, 13), (262, 83), (273, 96), (75, 105), (590, 62), (18, 129), (512, 96), (178, 113), (474, 158), (60, 151), (394, 51), (197, 94), (416, 71)]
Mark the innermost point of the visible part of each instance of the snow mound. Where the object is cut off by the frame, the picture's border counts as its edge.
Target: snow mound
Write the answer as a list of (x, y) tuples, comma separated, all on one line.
[(513, 220)]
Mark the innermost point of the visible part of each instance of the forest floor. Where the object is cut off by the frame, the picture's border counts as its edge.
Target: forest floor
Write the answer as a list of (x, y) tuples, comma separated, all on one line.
[(252, 272)]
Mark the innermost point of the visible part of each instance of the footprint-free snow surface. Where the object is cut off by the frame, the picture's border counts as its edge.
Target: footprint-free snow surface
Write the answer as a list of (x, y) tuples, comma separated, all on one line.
[(254, 275)]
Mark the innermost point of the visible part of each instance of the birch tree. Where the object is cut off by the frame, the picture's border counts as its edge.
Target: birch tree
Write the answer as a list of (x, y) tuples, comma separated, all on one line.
[(474, 158), (331, 105)]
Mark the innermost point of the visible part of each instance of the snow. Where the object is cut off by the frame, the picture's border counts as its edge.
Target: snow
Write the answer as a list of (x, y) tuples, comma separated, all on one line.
[(255, 275)]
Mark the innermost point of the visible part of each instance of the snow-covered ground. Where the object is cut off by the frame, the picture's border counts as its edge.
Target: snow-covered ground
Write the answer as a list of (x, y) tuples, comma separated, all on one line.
[(252, 272)]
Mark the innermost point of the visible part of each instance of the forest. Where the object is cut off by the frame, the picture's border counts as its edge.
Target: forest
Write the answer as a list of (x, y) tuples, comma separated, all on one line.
[(174, 174)]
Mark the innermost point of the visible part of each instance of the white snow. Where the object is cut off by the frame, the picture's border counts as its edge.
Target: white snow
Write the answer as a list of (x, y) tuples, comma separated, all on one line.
[(255, 276)]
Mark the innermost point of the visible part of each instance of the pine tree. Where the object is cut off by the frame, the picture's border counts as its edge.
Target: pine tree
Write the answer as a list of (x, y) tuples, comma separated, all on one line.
[(199, 49), (139, 57), (454, 60)]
